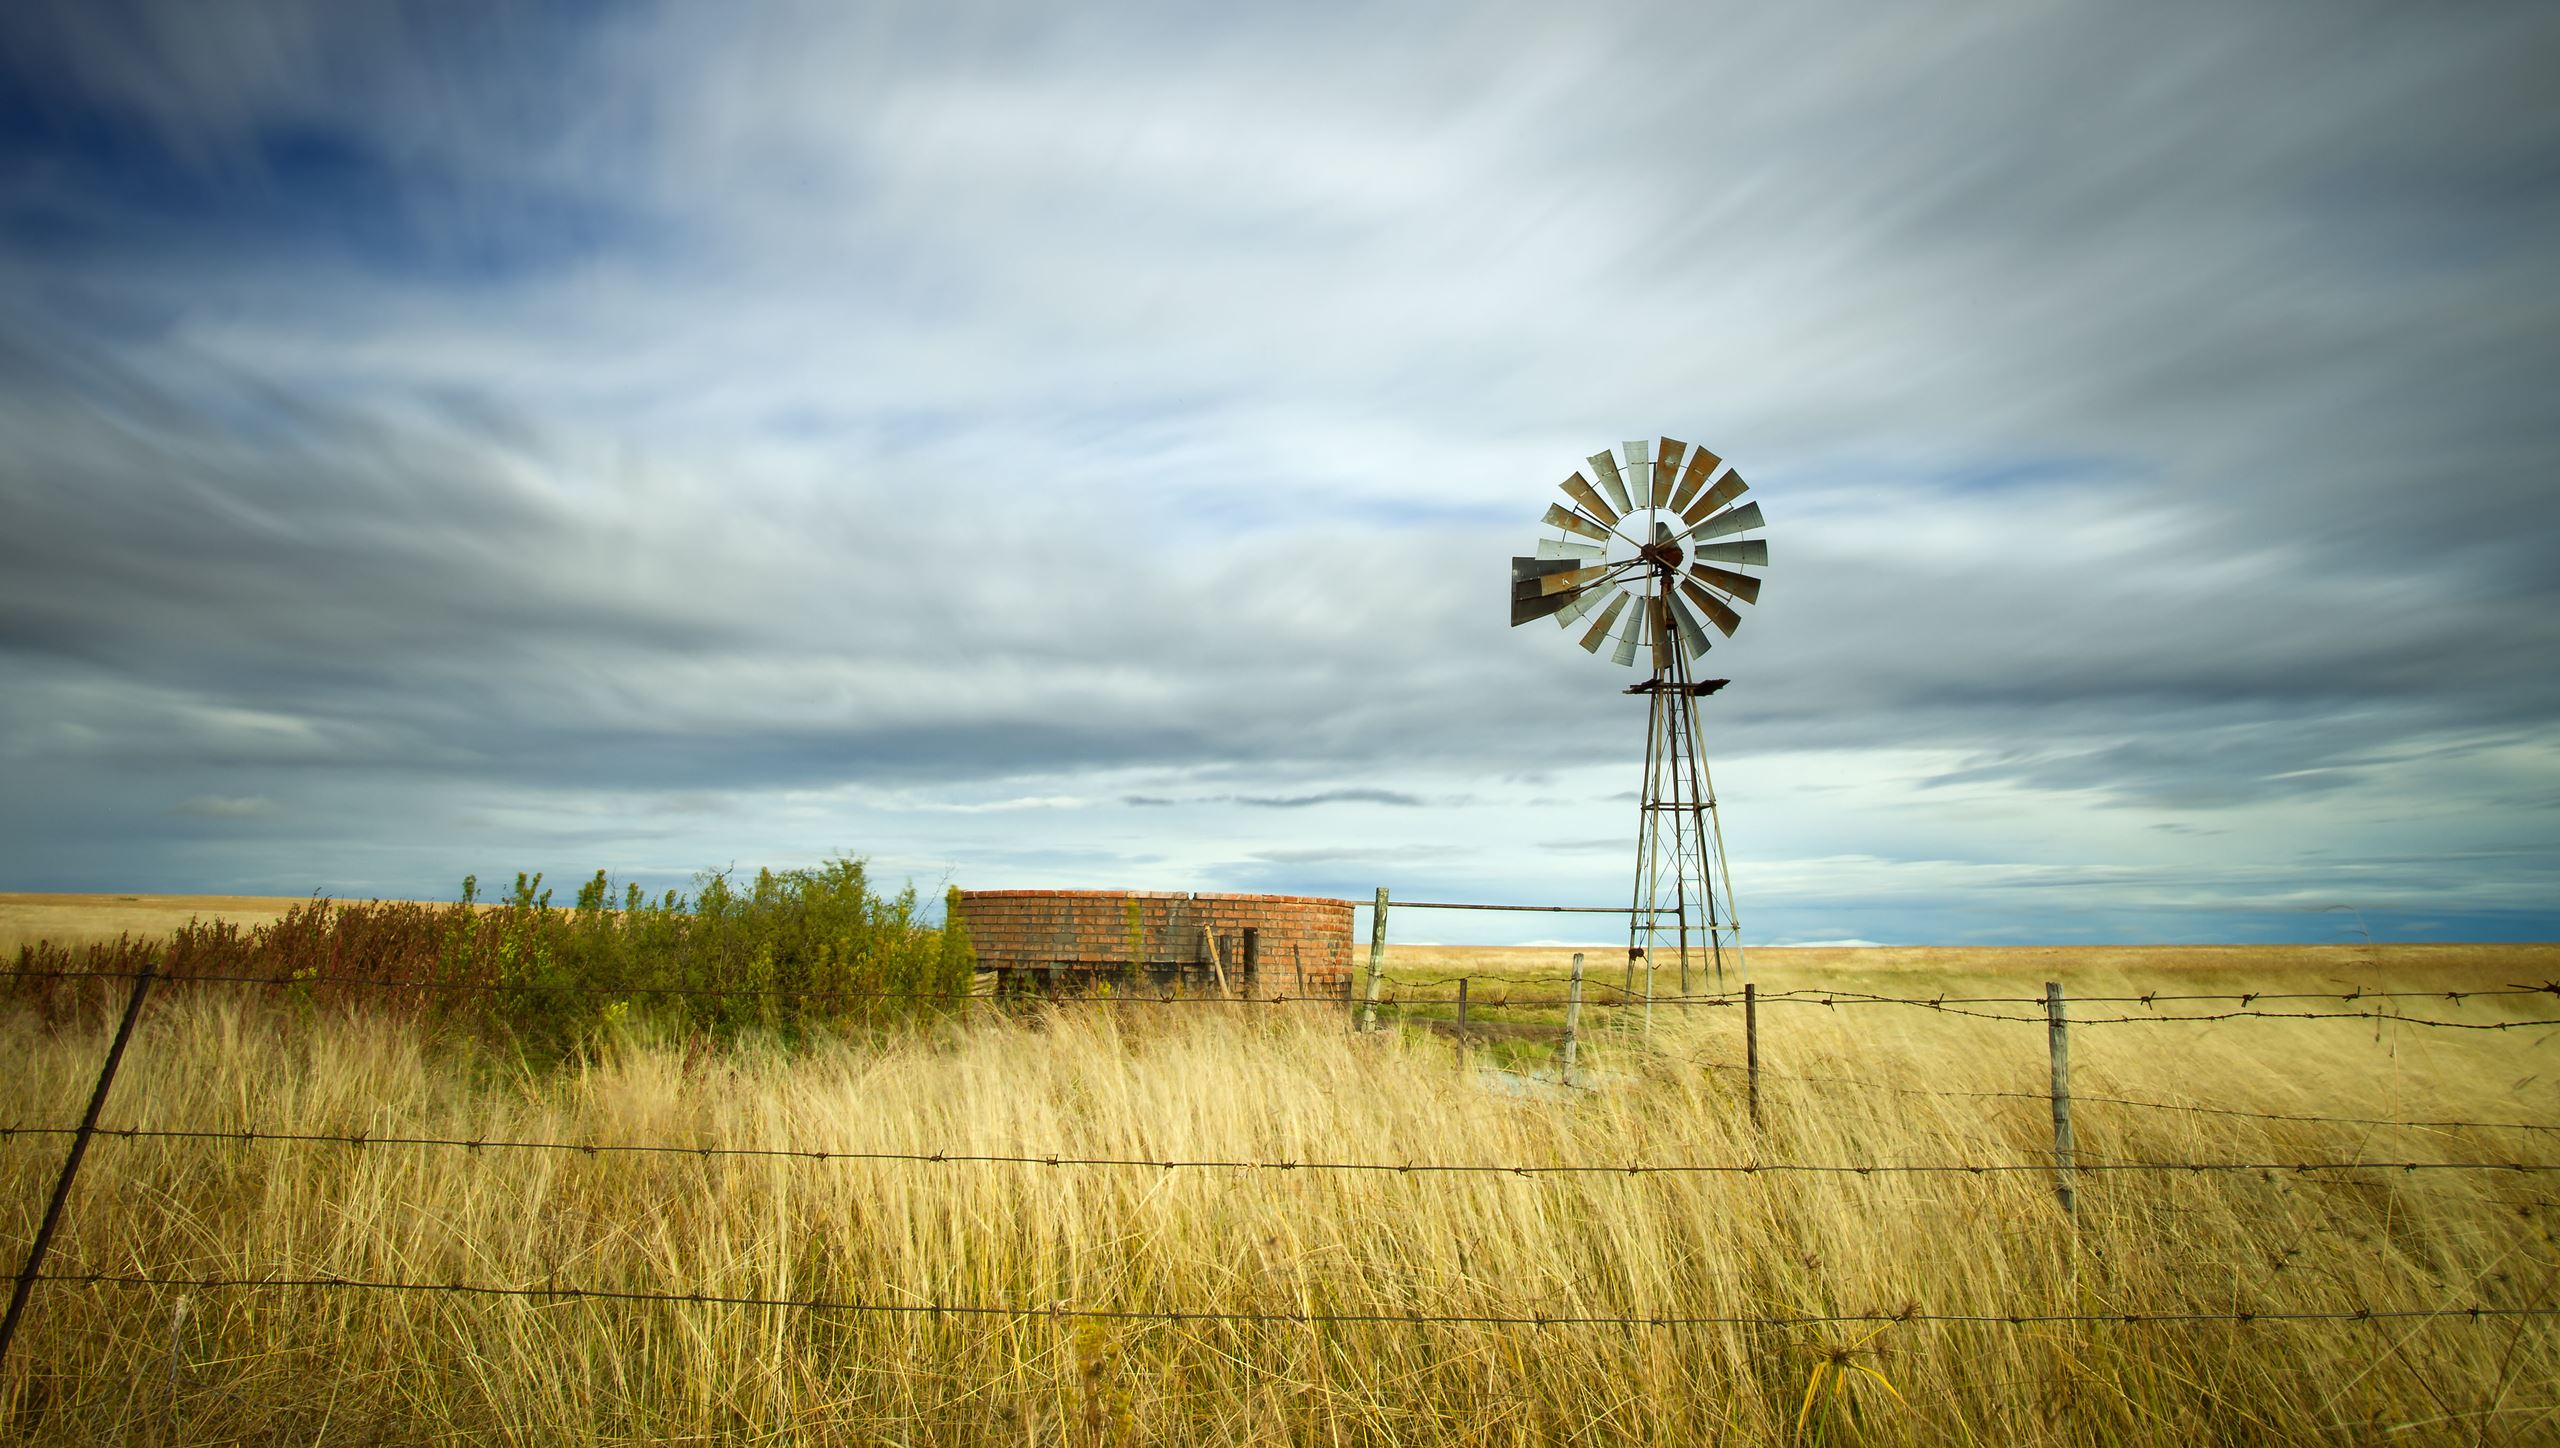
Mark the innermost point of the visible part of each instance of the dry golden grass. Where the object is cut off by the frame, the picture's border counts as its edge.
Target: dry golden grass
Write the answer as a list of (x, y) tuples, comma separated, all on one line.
[(1288, 1084), (79, 919)]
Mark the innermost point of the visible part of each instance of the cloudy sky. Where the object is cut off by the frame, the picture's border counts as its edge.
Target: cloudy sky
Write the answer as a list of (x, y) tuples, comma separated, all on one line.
[(1079, 445)]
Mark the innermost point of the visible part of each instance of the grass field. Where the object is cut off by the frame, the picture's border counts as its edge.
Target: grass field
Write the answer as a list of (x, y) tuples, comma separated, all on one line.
[(79, 919), (1844, 1086)]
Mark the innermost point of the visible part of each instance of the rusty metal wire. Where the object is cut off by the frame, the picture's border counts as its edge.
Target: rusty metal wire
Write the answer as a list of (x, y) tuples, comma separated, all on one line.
[(250, 1135), (2345, 997), (1950, 1005), (1395, 905), (1122, 996), (315, 983), (2080, 1099), (555, 1292), (1812, 995), (2378, 1017), (1962, 1006)]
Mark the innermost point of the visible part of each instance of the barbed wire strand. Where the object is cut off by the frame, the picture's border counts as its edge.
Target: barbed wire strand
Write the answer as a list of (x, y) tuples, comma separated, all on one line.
[(1822, 996), (248, 1136), (1799, 995), (2234, 1316), (1944, 1005), (2080, 1099)]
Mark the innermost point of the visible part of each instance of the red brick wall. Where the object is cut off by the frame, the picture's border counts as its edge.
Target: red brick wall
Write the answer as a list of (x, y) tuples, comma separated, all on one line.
[(1301, 941)]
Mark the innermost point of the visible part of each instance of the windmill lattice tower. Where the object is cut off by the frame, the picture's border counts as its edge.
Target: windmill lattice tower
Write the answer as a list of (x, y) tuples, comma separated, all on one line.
[(1636, 584)]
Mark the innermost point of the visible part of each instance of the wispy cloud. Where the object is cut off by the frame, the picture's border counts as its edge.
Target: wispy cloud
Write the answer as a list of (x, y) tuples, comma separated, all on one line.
[(1396, 799), (221, 807), (667, 437)]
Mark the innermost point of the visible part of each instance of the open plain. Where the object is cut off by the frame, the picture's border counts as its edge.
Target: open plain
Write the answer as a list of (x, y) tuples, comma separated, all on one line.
[(1104, 1223)]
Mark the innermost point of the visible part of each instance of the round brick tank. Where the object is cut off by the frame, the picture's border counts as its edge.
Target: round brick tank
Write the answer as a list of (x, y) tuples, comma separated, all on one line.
[(1070, 940)]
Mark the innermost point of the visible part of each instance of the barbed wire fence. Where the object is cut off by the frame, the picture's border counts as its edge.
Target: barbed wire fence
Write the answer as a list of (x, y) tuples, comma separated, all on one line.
[(1406, 1002)]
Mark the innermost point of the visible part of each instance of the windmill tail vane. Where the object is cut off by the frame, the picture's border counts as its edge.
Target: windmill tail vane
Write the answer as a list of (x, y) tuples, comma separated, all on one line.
[(1651, 548)]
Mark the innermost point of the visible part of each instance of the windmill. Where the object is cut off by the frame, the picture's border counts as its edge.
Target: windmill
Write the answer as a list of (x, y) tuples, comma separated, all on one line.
[(1636, 561)]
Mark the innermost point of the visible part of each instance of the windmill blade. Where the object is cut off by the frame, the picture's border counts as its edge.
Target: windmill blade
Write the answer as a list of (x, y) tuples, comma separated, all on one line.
[(1732, 520), (1753, 552), (1639, 472), (1560, 548), (1718, 612), (1702, 465), (1534, 582), (1666, 469), (1657, 616), (1608, 619), (1626, 650), (1539, 567), (1525, 609), (1567, 582), (1585, 601), (1692, 638), (1529, 596), (1560, 516), (1741, 585), (1580, 490), (1605, 465), (1727, 488), (1588, 602)]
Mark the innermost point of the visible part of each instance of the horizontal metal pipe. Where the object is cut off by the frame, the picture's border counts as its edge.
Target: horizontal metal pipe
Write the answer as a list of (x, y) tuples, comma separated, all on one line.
[(1546, 909)]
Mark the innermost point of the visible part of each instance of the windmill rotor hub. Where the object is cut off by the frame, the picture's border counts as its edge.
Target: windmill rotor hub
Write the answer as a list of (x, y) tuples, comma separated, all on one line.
[(1665, 556)]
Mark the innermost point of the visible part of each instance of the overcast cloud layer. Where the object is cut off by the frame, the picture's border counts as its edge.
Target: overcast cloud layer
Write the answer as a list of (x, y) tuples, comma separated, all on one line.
[(1078, 446)]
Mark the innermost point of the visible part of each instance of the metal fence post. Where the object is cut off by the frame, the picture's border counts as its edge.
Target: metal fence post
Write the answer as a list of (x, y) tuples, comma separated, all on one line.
[(1572, 1016), (1377, 958), (71, 1164), (2065, 1151)]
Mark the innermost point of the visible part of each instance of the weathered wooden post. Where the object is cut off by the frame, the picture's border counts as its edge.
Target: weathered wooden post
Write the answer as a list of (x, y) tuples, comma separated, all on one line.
[(1572, 1016), (2065, 1151), (1217, 966), (1751, 1044), (33, 1268), (1462, 1023), (1377, 958)]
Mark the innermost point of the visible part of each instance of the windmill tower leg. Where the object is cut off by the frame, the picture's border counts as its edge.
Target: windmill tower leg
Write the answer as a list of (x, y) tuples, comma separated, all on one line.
[(1683, 899), (1704, 840), (1639, 908)]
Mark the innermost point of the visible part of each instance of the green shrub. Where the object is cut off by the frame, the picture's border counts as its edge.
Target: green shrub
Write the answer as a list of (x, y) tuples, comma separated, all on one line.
[(798, 950)]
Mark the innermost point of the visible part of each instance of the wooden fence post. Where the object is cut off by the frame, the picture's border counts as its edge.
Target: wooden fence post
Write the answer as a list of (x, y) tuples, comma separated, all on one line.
[(34, 1265), (1462, 1023), (1377, 958), (2065, 1151), (1572, 1016), (1751, 1044)]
